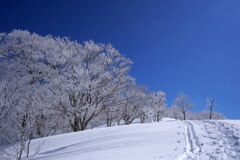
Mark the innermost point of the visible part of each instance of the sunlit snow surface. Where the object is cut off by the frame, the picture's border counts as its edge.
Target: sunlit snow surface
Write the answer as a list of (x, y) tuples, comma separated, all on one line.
[(149, 141), (166, 140)]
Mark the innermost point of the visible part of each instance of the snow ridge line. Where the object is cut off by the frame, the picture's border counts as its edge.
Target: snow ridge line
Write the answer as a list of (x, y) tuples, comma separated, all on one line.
[(193, 147)]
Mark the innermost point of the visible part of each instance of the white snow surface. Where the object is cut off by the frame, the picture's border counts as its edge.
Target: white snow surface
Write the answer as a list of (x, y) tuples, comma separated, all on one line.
[(166, 140)]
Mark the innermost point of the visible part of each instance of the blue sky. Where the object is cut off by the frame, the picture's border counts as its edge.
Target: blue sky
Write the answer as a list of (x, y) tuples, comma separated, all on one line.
[(177, 46)]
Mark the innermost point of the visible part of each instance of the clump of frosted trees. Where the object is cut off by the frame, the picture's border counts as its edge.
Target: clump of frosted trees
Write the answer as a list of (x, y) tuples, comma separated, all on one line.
[(182, 106), (51, 85)]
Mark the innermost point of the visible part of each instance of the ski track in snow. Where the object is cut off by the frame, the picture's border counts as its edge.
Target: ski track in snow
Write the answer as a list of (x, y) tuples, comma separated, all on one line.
[(193, 147)]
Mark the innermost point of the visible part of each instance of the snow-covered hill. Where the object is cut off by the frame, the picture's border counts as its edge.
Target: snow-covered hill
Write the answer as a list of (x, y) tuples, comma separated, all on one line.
[(166, 140)]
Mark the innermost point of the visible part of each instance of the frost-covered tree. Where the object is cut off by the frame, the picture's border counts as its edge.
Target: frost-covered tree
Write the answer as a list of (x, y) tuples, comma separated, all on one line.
[(157, 105), (134, 100), (183, 103), (210, 104), (173, 112), (82, 78), (20, 108), (110, 115), (90, 81)]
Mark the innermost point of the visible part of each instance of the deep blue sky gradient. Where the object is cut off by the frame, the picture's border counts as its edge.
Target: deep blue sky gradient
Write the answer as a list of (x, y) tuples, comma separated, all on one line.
[(177, 46)]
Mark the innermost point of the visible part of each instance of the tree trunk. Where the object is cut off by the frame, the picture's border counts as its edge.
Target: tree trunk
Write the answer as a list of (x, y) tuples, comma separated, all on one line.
[(83, 126), (184, 116), (28, 147), (75, 125), (210, 114), (109, 122), (158, 116), (20, 152), (143, 118)]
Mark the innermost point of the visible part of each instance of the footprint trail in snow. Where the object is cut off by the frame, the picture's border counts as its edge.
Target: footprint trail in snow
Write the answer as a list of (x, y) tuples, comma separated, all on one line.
[(211, 140)]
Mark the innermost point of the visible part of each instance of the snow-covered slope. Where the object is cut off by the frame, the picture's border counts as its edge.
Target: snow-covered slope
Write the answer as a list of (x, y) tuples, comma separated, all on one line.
[(166, 140), (163, 140)]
